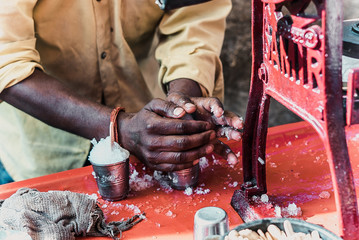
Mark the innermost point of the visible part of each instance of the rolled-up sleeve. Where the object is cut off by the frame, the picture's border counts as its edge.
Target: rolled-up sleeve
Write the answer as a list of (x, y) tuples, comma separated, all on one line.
[(18, 56), (191, 39)]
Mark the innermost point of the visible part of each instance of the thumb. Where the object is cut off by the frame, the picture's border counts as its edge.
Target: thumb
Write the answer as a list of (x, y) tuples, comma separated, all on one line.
[(165, 108)]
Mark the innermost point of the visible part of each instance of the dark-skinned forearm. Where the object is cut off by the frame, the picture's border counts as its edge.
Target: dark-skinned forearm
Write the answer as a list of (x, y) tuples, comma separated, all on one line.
[(185, 86), (48, 100)]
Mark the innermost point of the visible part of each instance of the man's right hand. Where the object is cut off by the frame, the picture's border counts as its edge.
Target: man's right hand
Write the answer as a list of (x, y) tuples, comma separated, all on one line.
[(156, 134), (161, 140)]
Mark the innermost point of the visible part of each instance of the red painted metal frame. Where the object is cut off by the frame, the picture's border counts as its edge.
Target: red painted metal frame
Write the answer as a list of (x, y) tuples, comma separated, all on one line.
[(352, 115), (297, 61)]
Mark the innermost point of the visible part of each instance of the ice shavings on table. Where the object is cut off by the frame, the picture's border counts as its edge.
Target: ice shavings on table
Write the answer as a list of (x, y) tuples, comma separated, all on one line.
[(199, 191), (134, 208), (138, 183), (102, 152), (291, 211), (215, 160), (93, 196), (234, 184), (188, 191), (324, 194), (264, 198), (356, 137), (203, 163), (169, 213), (116, 208)]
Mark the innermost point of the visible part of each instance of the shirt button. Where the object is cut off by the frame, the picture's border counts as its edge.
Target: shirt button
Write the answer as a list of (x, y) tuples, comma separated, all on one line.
[(103, 55)]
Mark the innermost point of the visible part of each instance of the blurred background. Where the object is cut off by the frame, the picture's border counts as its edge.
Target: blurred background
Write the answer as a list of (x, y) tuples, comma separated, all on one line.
[(236, 59)]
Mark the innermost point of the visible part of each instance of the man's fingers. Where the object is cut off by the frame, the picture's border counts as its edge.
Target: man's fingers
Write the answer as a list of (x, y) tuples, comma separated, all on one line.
[(174, 161), (230, 133), (179, 157), (224, 151), (212, 105), (182, 101), (167, 143), (168, 126), (233, 120), (165, 108), (167, 167), (208, 109)]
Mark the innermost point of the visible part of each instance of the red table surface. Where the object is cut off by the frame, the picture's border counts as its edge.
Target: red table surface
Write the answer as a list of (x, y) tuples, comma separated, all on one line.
[(297, 172)]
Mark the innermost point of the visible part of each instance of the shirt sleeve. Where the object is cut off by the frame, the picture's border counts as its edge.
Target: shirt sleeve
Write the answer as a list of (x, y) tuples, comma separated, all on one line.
[(18, 56), (191, 40)]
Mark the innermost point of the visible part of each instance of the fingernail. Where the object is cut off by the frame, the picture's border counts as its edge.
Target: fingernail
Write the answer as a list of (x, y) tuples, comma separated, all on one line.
[(189, 105), (178, 111), (218, 112), (238, 124), (236, 135), (209, 149)]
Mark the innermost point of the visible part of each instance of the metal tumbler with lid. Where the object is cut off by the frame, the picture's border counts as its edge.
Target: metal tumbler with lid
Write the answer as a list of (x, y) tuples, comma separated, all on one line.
[(210, 223)]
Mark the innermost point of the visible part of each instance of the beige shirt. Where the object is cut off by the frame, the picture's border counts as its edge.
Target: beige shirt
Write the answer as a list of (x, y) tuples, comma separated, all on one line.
[(102, 49)]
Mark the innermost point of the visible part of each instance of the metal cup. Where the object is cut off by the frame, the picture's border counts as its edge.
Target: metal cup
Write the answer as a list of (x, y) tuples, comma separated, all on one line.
[(182, 179), (210, 223), (112, 180)]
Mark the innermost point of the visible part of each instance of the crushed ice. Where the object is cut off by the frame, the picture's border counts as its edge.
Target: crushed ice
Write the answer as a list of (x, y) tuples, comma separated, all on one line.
[(103, 153)]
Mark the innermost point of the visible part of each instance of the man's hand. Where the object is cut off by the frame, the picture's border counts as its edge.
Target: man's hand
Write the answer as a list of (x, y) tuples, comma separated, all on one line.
[(226, 124), (160, 139)]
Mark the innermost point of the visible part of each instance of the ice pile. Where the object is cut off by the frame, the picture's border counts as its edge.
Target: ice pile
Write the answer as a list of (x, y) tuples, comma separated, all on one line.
[(291, 211), (199, 191), (203, 163), (117, 208), (138, 183), (188, 191), (102, 153), (324, 194)]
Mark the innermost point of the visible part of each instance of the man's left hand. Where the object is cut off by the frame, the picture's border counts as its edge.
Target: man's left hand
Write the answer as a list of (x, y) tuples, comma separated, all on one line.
[(225, 123)]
